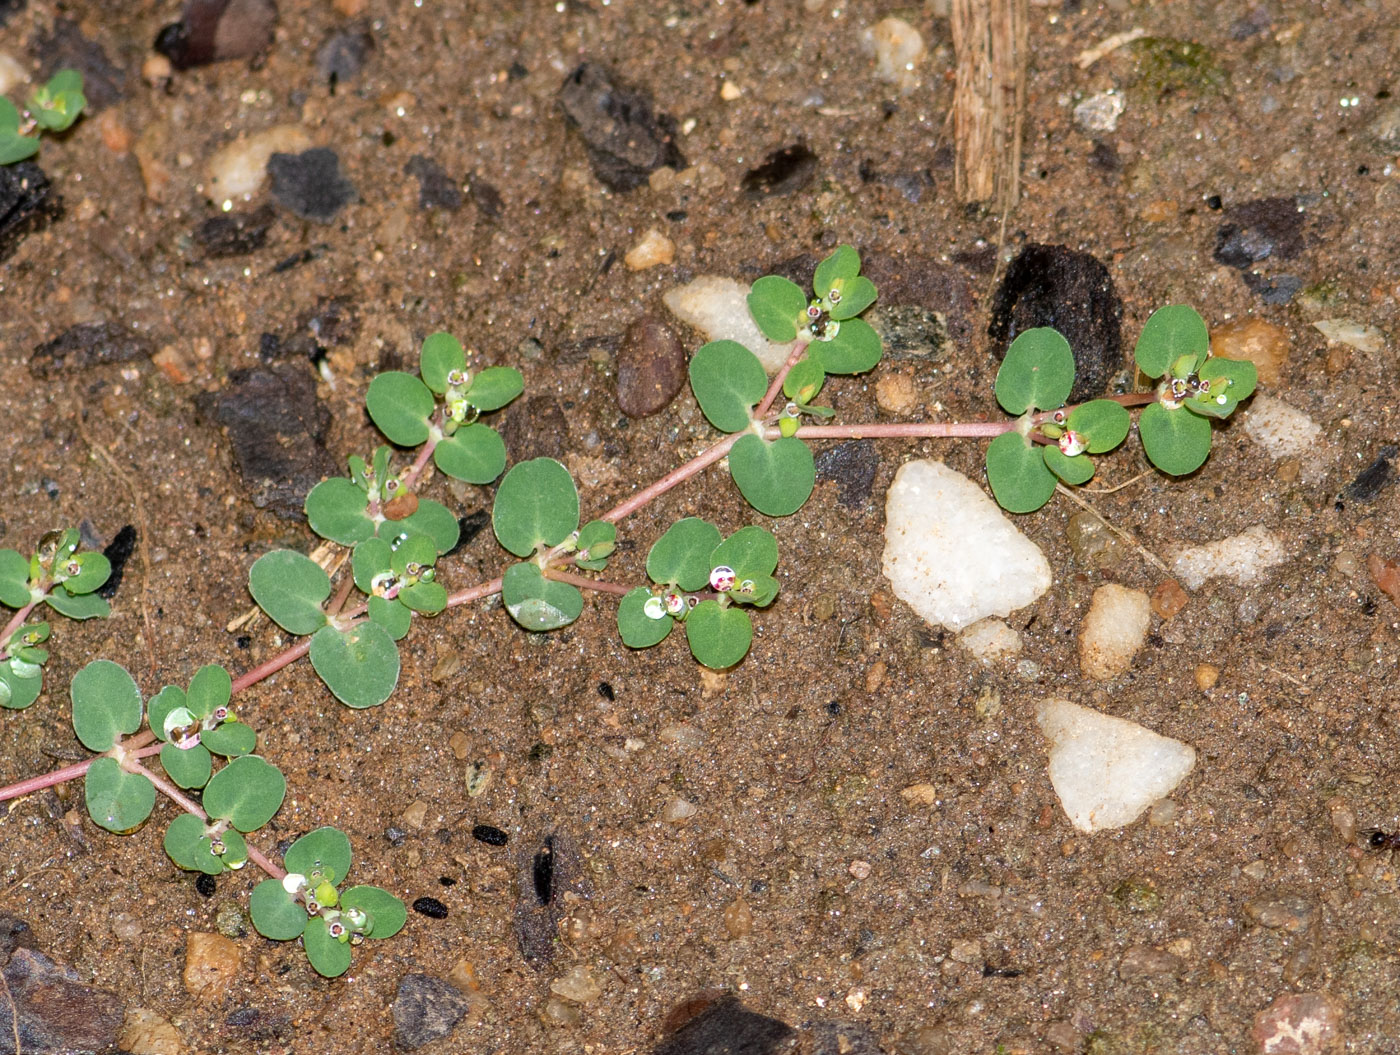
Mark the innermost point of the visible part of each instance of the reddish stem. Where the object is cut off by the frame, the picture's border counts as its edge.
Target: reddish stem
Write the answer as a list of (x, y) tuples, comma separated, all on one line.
[(676, 476), (476, 593), (272, 666), (16, 621), (420, 463), (560, 575), (136, 747), (798, 351)]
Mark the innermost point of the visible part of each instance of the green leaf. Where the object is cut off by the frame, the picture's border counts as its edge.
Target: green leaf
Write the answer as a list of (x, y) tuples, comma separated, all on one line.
[(855, 349), (1075, 470), (188, 767), (429, 598), (494, 387), (750, 551), (414, 550), (14, 579), (117, 800), (372, 557), (728, 380), (9, 116), (338, 510), (106, 704), (1176, 441), (400, 406), (83, 606), (1170, 333), (18, 690), (442, 353), (387, 913), (775, 477), (275, 915), (537, 603), (290, 588), (1038, 372), (14, 147), (1239, 377), (324, 850), (330, 956), (360, 665), (58, 103), (596, 542), (230, 740), (1019, 477), (247, 793), (779, 307), (760, 594), (432, 519), (93, 570), (682, 555), (189, 847), (718, 637), (210, 688), (637, 629), (474, 453), (536, 504), (856, 295), (1102, 423), (840, 267), (804, 381), (170, 698), (393, 616)]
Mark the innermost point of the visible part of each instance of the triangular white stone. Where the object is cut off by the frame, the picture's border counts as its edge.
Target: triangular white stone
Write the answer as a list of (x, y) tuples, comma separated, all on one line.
[(1107, 771)]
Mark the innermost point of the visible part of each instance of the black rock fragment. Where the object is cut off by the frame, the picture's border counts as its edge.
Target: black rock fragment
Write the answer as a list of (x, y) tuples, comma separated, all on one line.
[(343, 54), (277, 428), (310, 184), (82, 347), (67, 49), (725, 1027), (217, 31), (852, 466), (785, 171), (547, 871), (430, 907), (1053, 285), (436, 189), (426, 1009), (14, 934), (486, 198), (206, 884), (1257, 230), (117, 552), (1373, 479), (625, 138), (28, 203), (235, 233), (490, 835), (1276, 290)]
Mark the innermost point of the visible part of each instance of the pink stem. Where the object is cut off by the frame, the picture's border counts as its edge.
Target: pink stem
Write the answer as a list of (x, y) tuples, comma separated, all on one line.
[(173, 793), (798, 351), (486, 589), (272, 666), (16, 621), (676, 476), (135, 748), (419, 464), (559, 575), (910, 430)]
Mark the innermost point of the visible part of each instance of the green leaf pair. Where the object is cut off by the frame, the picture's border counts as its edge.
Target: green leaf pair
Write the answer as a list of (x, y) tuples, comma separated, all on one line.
[(359, 664), (687, 559), (54, 107), (1037, 375), (776, 477), (57, 573), (240, 798), (308, 903), (21, 671), (1175, 346), (404, 406), (373, 502)]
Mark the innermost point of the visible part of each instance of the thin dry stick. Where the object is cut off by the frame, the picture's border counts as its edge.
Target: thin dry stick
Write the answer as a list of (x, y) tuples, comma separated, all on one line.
[(143, 530), (1145, 553), (1117, 487)]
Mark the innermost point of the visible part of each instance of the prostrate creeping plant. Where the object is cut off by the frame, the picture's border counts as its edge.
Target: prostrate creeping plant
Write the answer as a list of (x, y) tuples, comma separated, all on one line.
[(696, 575)]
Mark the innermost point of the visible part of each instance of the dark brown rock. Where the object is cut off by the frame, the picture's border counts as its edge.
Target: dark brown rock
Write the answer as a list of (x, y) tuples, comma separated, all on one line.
[(50, 1011), (235, 233), (625, 138), (310, 184), (82, 347), (651, 367), (218, 31), (785, 171), (1053, 285), (535, 427), (726, 1027), (28, 203), (426, 1009), (277, 428), (436, 189), (1259, 229), (838, 1038)]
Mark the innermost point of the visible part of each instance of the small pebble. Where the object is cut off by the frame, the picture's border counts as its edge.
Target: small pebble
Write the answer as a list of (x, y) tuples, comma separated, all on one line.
[(144, 1032), (239, 169), (310, 184), (230, 921), (1283, 911), (1143, 961), (1242, 558), (1283, 431), (1299, 1024), (654, 249), (212, 962), (426, 1009), (1207, 674), (683, 735), (969, 952), (651, 367), (430, 907), (738, 919), (490, 835), (678, 811), (1163, 813), (461, 745), (561, 1013), (859, 869), (577, 984), (1353, 334), (12, 73), (1168, 599), (126, 928), (897, 393), (991, 641), (1092, 543), (920, 794), (446, 666), (898, 49), (1262, 343), (415, 815), (1113, 631)]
